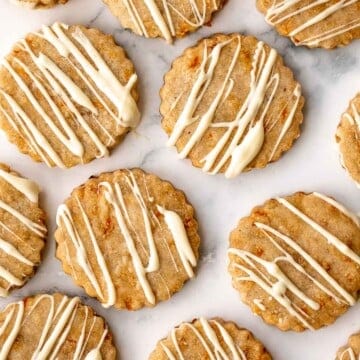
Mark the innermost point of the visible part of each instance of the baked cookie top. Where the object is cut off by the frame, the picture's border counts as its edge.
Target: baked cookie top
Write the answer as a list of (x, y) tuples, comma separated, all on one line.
[(205, 339), (54, 326), (38, 4), (230, 105), (351, 351), (314, 23), (348, 139), (22, 230), (67, 95), (129, 238), (295, 261), (168, 19)]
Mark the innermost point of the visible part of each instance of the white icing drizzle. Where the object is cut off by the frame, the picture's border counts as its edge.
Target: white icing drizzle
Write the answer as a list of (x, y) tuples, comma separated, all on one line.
[(50, 75), (279, 12), (243, 137), (259, 304), (215, 350), (56, 328), (351, 355)]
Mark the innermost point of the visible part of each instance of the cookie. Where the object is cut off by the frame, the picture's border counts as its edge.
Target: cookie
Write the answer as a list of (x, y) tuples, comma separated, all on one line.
[(67, 95), (168, 19), (38, 4), (205, 339), (351, 350), (53, 326), (22, 230), (348, 139), (321, 23), (295, 261), (129, 238), (230, 105)]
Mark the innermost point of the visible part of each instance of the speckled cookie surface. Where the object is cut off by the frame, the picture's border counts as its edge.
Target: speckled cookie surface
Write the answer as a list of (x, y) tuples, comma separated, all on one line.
[(295, 261), (203, 339), (22, 230), (53, 326), (38, 4), (129, 238), (348, 139), (67, 95), (168, 19), (351, 350), (230, 105), (325, 24)]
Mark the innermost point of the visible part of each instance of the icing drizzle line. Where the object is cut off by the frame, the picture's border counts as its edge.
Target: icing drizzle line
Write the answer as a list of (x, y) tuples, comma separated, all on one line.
[(261, 271), (49, 75), (113, 193), (59, 321), (243, 137)]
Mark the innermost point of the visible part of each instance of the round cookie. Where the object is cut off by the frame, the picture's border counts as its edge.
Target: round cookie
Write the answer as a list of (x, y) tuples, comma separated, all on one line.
[(351, 350), (67, 95), (230, 105), (321, 23), (168, 19), (54, 326), (129, 238), (22, 230), (295, 261), (209, 339), (348, 139), (38, 4)]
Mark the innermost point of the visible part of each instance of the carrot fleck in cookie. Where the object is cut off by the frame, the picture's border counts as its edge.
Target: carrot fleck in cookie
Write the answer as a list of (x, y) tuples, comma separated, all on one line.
[(67, 95), (315, 23), (38, 4), (53, 326), (129, 238), (230, 105), (168, 19), (22, 230), (351, 351), (206, 339), (348, 139), (295, 261)]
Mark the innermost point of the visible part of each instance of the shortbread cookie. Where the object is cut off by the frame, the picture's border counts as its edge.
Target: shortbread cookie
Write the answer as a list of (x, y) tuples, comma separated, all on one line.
[(129, 238), (348, 139), (168, 19), (207, 339), (351, 351), (22, 230), (230, 105), (295, 261), (38, 4), (67, 95), (53, 327), (316, 23)]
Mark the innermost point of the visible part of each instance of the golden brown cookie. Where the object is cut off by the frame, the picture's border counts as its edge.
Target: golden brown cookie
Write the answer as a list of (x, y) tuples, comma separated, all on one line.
[(22, 230), (351, 350), (168, 19), (209, 339), (314, 23), (53, 326), (230, 105), (38, 4), (67, 95), (129, 238), (348, 139), (295, 261)]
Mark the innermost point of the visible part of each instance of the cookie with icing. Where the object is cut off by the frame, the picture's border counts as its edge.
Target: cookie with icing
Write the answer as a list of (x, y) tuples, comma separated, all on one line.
[(67, 95), (204, 339), (296, 261), (230, 105), (129, 238), (348, 139), (38, 4), (54, 327), (317, 23), (168, 19), (351, 351), (22, 230)]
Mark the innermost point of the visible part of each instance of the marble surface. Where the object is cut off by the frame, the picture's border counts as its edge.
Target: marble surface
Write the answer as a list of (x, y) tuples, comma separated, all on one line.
[(329, 80)]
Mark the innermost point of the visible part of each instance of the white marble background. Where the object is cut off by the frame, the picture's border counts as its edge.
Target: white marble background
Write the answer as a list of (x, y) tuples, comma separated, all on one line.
[(329, 79)]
